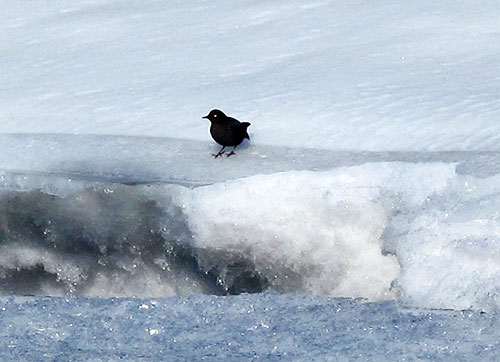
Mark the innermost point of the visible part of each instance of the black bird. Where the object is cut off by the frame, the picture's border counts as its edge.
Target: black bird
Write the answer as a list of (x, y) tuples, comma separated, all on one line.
[(226, 131)]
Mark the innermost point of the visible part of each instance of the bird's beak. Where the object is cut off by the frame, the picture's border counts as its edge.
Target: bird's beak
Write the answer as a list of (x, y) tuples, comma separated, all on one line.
[(204, 117)]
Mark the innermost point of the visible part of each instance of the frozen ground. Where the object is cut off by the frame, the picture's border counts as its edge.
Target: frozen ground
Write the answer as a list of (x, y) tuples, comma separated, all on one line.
[(372, 172)]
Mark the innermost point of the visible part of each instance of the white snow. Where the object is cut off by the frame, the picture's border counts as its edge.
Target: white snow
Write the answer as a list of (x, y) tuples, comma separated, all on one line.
[(326, 74), (353, 231)]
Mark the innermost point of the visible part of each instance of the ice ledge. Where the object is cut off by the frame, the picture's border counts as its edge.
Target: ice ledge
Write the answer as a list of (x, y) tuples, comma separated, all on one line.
[(144, 160)]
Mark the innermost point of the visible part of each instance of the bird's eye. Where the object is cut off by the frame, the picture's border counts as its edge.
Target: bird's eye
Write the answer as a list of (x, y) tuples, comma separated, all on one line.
[(215, 116)]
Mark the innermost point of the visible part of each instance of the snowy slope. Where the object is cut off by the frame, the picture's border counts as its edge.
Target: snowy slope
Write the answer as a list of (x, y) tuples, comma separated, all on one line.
[(324, 74)]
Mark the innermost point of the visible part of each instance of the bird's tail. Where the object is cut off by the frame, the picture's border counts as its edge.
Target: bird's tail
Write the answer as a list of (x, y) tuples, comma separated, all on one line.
[(245, 125)]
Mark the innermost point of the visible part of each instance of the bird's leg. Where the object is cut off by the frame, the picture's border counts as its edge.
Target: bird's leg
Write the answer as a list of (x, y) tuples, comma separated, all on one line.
[(221, 152), (232, 152)]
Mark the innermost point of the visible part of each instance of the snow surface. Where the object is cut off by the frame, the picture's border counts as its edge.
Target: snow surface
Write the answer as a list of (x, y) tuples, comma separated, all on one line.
[(323, 74), (372, 172)]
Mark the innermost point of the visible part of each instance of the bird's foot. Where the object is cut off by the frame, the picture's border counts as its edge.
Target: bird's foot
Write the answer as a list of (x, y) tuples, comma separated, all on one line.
[(230, 154), (218, 154)]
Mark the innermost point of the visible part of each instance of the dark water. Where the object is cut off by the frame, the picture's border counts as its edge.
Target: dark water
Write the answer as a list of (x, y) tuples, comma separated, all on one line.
[(63, 244)]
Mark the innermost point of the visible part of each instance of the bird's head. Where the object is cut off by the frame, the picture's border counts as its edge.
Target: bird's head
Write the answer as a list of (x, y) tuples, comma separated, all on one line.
[(215, 115)]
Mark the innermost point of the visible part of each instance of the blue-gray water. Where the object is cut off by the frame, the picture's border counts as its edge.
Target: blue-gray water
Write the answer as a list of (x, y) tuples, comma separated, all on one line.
[(246, 327)]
